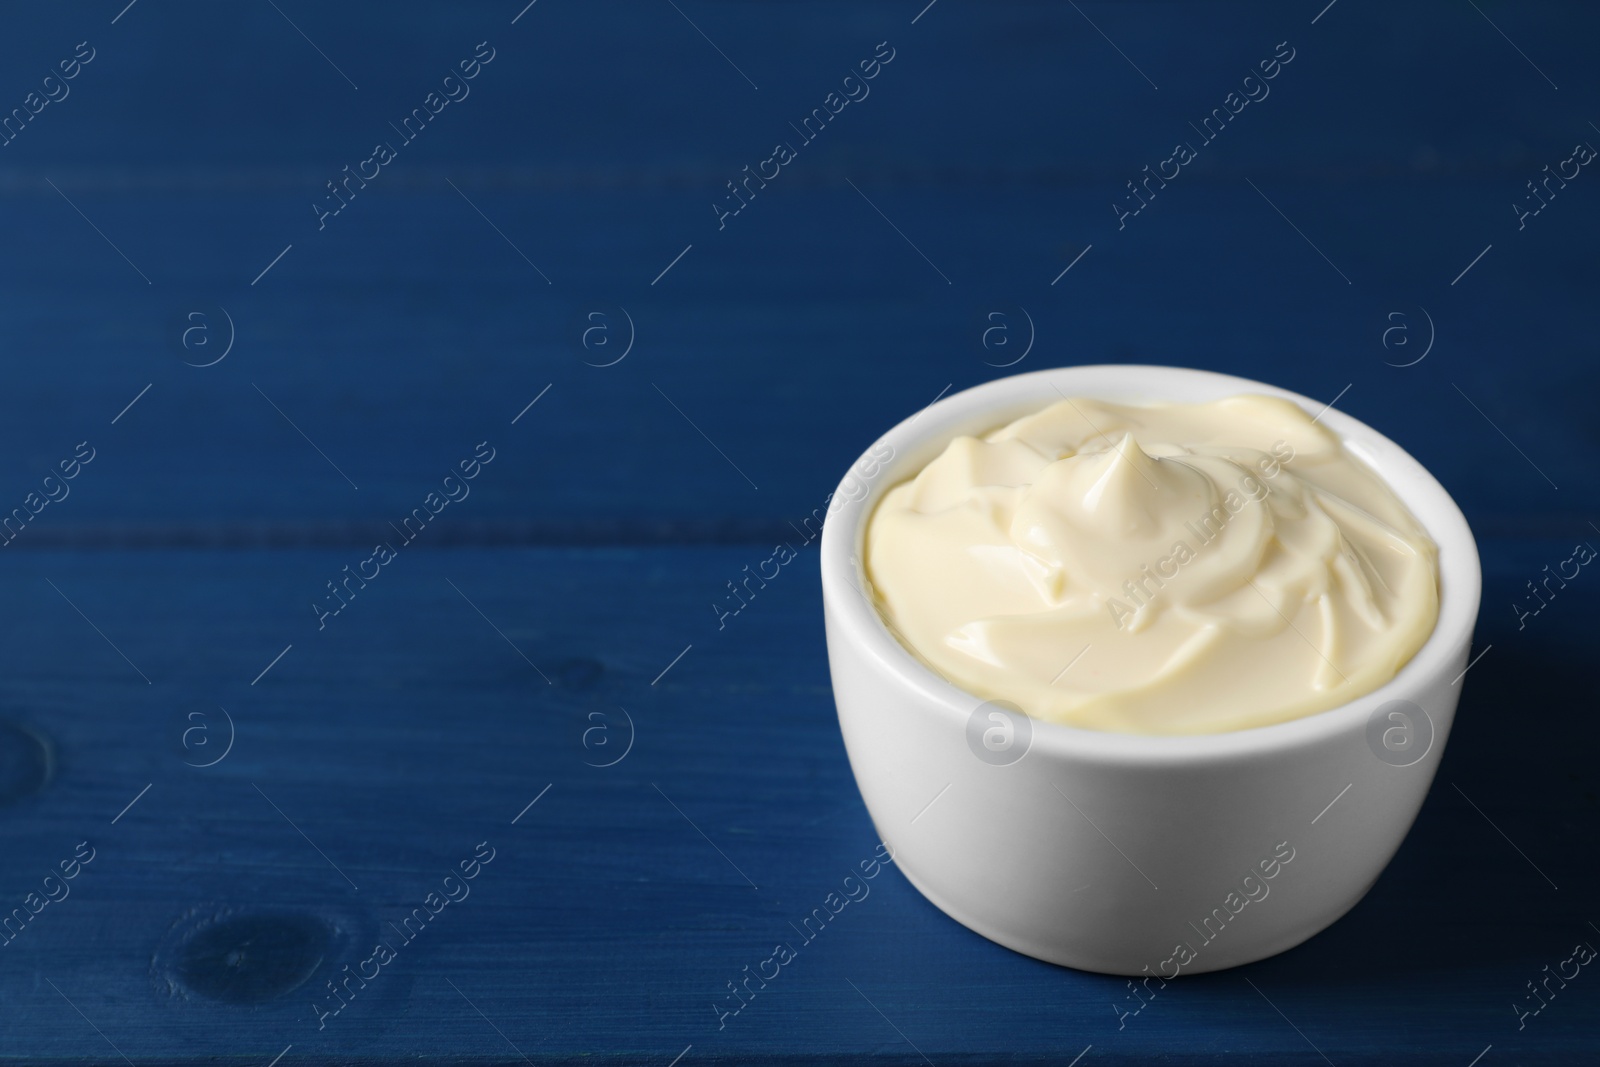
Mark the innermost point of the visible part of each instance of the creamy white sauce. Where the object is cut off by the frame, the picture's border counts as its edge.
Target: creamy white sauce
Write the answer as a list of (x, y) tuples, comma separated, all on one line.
[(1163, 569)]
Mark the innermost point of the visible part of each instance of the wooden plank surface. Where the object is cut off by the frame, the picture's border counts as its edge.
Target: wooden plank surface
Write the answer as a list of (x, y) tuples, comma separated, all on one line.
[(410, 730), (162, 605)]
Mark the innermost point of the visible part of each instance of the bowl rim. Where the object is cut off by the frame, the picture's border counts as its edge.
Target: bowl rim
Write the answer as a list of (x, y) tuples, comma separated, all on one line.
[(989, 405)]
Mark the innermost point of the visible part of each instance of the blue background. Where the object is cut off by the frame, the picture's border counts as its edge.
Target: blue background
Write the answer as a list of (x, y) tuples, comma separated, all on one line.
[(578, 178)]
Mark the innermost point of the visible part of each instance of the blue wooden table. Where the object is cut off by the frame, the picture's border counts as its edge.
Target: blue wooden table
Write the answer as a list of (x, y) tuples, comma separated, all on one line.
[(578, 310)]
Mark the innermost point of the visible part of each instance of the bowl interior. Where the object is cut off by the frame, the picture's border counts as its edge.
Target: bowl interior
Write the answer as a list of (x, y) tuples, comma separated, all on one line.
[(920, 438)]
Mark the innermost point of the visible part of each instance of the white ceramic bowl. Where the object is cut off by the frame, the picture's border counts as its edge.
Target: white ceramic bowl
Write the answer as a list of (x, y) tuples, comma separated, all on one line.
[(1132, 854)]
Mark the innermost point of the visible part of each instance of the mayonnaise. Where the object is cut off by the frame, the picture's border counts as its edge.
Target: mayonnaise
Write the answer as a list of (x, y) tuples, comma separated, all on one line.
[(1162, 569)]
